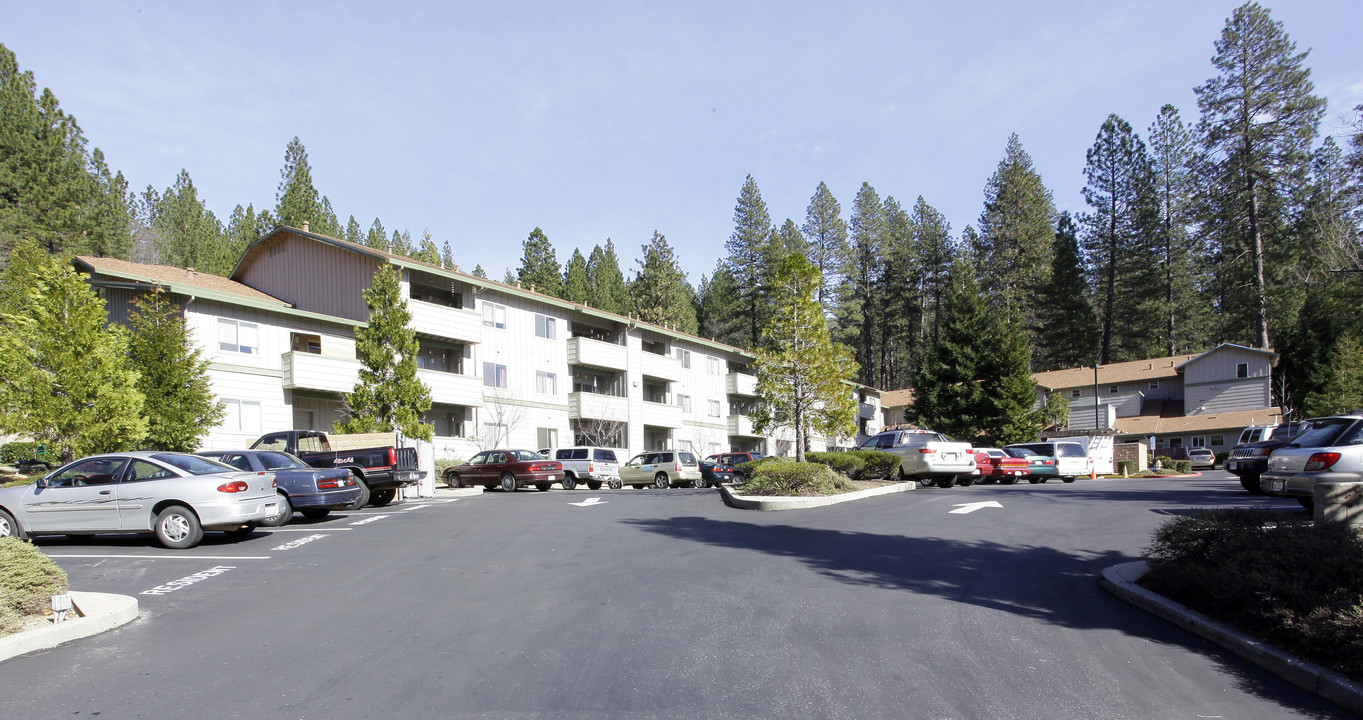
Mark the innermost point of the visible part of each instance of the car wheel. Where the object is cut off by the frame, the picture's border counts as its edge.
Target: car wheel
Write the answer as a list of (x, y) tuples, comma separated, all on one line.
[(1251, 484), (316, 514), (617, 484), (1036, 480), (568, 482), (926, 481), (1044, 479), (702, 483), (508, 482), (946, 482), (1067, 479), (452, 480), (363, 499), (8, 527), (966, 480), (1307, 502), (242, 531), (593, 484), (284, 516), (660, 481), (383, 497), (177, 527), (543, 486)]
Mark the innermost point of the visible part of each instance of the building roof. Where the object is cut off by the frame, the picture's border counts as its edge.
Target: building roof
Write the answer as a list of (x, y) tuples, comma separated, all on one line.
[(1144, 425), (1135, 370), (896, 398), (1273, 356)]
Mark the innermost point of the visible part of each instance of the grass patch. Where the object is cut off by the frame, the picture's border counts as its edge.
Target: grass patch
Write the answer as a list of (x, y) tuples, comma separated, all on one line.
[(785, 477), (28, 580), (1287, 580)]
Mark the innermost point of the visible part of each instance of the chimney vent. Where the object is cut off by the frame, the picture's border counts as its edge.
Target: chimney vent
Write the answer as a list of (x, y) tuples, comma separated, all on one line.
[(191, 272), (305, 226)]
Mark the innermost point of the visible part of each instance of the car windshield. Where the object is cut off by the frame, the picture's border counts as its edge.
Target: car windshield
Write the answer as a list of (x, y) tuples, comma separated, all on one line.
[(280, 461), (1322, 433), (1038, 449), (1016, 452), (193, 464)]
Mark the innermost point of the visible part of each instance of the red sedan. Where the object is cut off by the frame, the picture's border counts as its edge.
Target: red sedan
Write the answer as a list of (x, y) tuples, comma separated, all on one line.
[(509, 469)]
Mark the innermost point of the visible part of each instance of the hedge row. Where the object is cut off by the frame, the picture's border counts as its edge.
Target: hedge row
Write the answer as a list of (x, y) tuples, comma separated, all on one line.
[(13, 452), (28, 580)]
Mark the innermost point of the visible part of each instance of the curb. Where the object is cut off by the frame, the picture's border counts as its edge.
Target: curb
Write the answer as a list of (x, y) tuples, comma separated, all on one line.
[(445, 491), (753, 502), (1120, 580), (99, 612)]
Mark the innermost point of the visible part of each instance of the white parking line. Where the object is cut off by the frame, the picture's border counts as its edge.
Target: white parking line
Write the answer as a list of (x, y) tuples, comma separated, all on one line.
[(369, 519), (168, 557), (299, 529)]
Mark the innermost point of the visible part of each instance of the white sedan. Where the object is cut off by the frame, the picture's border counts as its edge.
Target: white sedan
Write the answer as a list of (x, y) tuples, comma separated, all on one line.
[(174, 495)]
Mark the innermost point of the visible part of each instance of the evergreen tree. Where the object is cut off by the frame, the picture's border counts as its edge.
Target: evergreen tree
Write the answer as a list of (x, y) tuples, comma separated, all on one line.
[(826, 233), (539, 268), (427, 252), (1342, 389), (479, 272), (172, 376), (353, 232), (947, 394), (400, 243), (936, 253), (609, 291), (859, 312), (898, 290), (660, 292), (718, 313), (750, 251), (446, 256), (802, 375), (297, 200), (1187, 311), (111, 214), (243, 228), (64, 376), (377, 237), (1251, 162), (1016, 234), (1008, 386), (186, 232), (388, 397), (577, 284), (1069, 329), (1119, 242)]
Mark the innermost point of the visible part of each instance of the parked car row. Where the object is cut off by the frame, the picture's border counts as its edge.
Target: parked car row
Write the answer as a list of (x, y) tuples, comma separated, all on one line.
[(511, 469), (1323, 449)]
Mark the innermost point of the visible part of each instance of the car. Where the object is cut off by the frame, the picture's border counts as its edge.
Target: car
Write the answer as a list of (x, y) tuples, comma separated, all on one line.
[(712, 474), (1203, 458), (995, 465), (508, 469), (1331, 450), (315, 492), (1040, 468), (595, 466), (926, 456), (176, 496), (1249, 459), (661, 469), (736, 459), (1071, 458)]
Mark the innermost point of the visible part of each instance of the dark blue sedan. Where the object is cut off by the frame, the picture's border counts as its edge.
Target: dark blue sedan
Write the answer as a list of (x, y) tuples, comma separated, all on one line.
[(315, 492), (713, 473)]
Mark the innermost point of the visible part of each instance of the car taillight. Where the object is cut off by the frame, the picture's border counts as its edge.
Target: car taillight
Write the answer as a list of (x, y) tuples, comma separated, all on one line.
[(925, 451), (328, 484), (235, 486), (1321, 461), (392, 456)]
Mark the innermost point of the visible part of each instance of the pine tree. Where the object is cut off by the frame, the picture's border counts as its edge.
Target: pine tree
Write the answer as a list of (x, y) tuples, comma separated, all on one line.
[(898, 289), (802, 375), (609, 291), (446, 256), (377, 237), (1069, 329), (539, 268), (826, 233), (1342, 389), (1016, 234), (479, 272), (243, 228), (660, 292), (427, 251), (388, 397), (400, 243), (172, 376), (1186, 308), (719, 313), (111, 215), (353, 232), (750, 251), (64, 376), (297, 200), (577, 285), (948, 396), (859, 312), (936, 253), (1251, 163), (1008, 386), (186, 231)]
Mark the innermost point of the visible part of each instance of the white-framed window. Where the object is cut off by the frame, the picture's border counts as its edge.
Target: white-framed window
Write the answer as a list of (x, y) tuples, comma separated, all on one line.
[(1075, 393), (1154, 384), (238, 337), (546, 437), (242, 416), (494, 315), (545, 327), (684, 402), (1241, 370), (494, 375), (684, 356), (1199, 441), (494, 434), (712, 365), (712, 408), (546, 383)]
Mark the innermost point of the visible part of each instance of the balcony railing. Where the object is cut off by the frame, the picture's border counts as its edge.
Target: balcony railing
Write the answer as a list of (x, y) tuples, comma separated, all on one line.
[(741, 384), (597, 354), (663, 367), (742, 425), (591, 406), (662, 415), (309, 371), (452, 388), (446, 322)]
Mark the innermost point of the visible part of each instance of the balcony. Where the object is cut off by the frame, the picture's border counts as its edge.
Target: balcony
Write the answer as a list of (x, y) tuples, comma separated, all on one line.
[(590, 406), (309, 371), (663, 367), (866, 411), (741, 384), (662, 415), (597, 354), (446, 322), (452, 388), (741, 425)]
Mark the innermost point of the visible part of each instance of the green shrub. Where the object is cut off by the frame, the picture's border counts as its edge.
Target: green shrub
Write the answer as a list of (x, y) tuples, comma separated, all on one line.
[(748, 468), (1127, 467), (28, 580), (1221, 458), (1281, 578), (13, 452), (783, 476), (844, 463), (878, 463), (1162, 462), (1183, 467)]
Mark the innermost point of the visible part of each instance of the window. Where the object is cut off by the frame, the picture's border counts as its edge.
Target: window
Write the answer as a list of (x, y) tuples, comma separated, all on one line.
[(1175, 442), (1154, 385), (242, 416), (546, 383), (1075, 393), (685, 357), (238, 337), (1241, 370), (1113, 390), (494, 315), (447, 420), (544, 327), (439, 358), (493, 434), (712, 408), (494, 375), (1199, 441), (712, 365), (431, 289), (302, 342), (1218, 441), (546, 437), (684, 402)]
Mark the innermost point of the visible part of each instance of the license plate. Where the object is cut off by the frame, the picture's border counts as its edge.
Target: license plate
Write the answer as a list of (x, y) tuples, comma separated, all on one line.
[(271, 509), (1279, 485), (553, 476), (1231, 465), (949, 456)]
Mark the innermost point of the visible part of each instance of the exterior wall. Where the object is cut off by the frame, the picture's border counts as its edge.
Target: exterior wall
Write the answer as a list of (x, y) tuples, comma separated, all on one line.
[(1211, 385), (312, 276)]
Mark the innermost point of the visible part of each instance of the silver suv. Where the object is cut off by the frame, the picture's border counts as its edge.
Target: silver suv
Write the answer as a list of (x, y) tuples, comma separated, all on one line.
[(661, 469), (1331, 450), (594, 466)]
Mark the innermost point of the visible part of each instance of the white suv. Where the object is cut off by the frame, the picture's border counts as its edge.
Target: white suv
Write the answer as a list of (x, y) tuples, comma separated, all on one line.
[(594, 466)]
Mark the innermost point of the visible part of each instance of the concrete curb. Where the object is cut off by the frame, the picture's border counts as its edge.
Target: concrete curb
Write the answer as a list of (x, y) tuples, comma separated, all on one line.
[(444, 491), (754, 502), (1120, 580), (98, 612)]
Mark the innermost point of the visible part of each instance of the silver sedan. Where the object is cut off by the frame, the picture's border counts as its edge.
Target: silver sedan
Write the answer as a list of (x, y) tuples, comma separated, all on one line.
[(174, 495)]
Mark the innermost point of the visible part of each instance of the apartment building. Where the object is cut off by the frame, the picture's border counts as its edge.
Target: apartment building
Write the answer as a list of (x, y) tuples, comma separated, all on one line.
[(506, 366)]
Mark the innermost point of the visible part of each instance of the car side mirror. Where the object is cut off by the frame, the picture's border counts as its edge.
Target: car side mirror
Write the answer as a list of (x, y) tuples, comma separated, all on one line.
[(41, 482)]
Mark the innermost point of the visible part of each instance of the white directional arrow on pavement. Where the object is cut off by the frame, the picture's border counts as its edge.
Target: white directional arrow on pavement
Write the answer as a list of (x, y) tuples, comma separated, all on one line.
[(589, 502), (965, 508)]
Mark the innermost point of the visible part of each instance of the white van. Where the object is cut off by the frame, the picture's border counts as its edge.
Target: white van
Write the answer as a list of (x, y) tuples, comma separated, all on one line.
[(593, 466), (1071, 458)]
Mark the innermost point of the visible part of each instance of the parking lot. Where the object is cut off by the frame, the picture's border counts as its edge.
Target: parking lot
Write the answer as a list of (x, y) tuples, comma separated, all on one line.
[(657, 603)]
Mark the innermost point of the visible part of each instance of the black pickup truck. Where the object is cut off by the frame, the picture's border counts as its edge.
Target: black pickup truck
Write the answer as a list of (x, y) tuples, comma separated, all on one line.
[(381, 470)]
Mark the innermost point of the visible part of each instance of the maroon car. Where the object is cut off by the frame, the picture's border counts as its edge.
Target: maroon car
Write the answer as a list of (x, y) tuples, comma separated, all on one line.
[(508, 468)]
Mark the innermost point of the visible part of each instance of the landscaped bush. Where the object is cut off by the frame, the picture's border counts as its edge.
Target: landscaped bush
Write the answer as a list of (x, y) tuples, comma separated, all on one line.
[(783, 476), (1162, 462), (28, 580), (1183, 467), (1127, 467), (846, 463), (1221, 458), (878, 463), (13, 452), (1282, 578), (748, 468)]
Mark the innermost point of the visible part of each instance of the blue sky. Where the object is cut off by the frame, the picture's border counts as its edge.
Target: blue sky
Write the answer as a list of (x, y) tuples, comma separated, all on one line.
[(482, 120)]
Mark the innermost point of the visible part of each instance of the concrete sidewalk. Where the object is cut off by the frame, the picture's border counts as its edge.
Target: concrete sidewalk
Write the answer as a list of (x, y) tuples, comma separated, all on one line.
[(1120, 580), (96, 613)]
